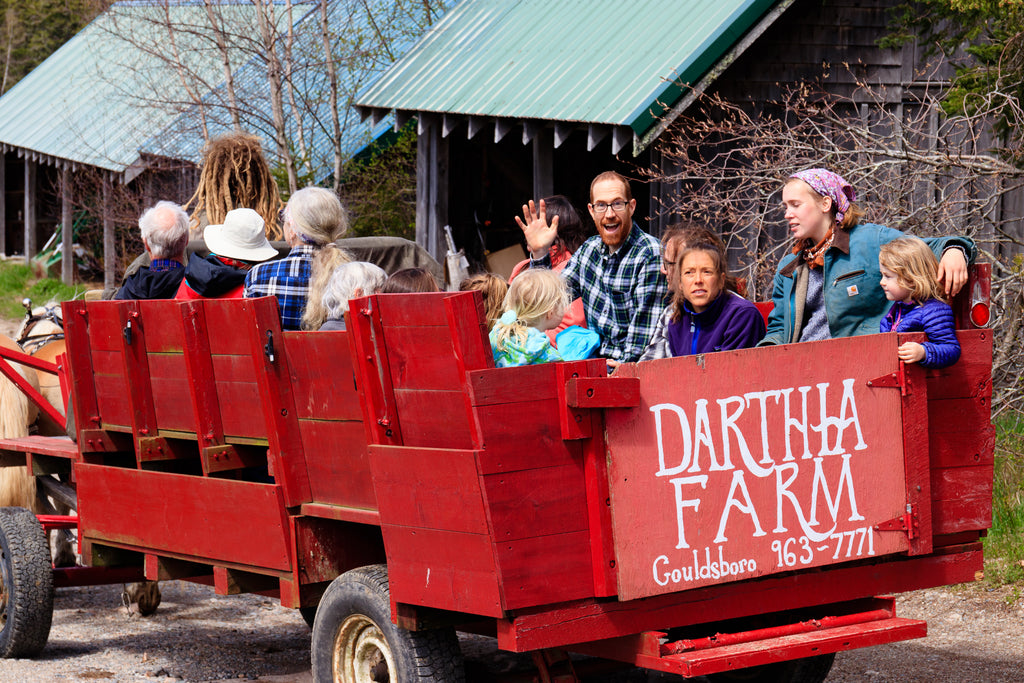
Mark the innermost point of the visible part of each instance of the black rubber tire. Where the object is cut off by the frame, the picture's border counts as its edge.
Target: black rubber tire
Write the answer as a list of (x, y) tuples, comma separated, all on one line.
[(355, 613), (308, 615), (809, 670), (26, 584)]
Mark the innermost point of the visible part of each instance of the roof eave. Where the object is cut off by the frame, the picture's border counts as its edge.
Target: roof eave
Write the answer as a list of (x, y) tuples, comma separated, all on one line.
[(660, 124)]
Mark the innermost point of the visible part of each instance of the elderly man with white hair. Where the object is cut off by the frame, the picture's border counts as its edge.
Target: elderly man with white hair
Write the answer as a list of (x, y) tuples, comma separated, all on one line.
[(164, 229)]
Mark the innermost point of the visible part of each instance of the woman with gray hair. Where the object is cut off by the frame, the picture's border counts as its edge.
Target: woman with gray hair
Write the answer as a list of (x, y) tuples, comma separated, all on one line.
[(349, 281), (313, 219)]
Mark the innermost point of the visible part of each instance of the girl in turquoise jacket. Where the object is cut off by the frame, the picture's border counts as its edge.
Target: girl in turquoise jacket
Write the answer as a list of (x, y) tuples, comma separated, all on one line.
[(828, 286)]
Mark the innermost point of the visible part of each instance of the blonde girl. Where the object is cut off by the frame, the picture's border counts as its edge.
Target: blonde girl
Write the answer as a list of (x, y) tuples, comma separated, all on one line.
[(535, 302), (909, 279)]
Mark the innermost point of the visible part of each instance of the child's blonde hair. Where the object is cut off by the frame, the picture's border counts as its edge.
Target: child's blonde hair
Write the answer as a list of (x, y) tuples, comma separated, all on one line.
[(493, 289), (915, 267), (534, 294)]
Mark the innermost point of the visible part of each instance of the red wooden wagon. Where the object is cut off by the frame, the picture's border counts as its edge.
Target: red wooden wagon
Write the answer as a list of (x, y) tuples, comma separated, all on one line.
[(695, 515)]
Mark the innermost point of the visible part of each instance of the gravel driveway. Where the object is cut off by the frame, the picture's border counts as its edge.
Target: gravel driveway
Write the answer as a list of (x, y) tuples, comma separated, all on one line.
[(975, 634)]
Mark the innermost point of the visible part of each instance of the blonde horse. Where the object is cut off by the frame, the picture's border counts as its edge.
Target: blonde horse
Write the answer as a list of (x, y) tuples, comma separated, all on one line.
[(17, 413)]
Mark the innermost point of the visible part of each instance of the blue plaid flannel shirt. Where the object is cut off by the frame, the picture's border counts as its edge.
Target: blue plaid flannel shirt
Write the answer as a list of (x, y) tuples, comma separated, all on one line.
[(623, 293), (288, 280)]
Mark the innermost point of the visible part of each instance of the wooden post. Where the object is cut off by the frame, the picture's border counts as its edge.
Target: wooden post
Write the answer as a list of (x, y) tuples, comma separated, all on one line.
[(67, 256), (543, 164), (109, 255), (30, 210), (431, 190)]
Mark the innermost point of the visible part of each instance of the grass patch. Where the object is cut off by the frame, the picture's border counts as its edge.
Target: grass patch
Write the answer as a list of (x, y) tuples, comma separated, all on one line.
[(1004, 545), (17, 282)]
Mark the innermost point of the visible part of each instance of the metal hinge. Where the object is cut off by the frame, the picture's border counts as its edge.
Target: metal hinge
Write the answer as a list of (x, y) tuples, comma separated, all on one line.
[(891, 380), (906, 522)]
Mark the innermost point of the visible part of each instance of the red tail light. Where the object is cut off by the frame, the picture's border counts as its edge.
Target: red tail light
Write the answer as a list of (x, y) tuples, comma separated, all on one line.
[(979, 314)]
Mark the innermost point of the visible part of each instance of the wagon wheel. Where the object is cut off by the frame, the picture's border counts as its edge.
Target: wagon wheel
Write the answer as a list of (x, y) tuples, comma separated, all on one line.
[(808, 670), (354, 640), (26, 584)]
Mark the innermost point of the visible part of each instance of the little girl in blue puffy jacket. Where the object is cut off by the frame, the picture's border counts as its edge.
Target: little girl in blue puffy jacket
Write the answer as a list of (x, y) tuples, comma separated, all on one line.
[(909, 271)]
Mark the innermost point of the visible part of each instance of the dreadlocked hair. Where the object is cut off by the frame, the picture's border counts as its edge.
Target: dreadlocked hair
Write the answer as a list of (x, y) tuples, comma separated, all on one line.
[(532, 295), (235, 175)]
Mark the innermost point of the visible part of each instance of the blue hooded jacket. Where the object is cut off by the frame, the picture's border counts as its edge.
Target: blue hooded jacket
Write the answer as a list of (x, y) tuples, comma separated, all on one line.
[(935, 319)]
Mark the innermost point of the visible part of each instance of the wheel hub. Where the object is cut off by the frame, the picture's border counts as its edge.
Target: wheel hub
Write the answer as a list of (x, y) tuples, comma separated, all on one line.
[(362, 653)]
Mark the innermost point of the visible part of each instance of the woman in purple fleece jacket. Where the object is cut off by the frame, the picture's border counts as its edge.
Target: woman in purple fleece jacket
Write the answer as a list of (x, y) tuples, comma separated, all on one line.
[(909, 269), (703, 316)]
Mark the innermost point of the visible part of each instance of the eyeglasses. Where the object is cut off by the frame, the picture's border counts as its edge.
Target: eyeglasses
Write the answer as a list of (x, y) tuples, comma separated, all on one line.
[(669, 264), (602, 207)]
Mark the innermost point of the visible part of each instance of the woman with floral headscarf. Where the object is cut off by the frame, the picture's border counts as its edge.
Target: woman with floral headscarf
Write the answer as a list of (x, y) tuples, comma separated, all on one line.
[(828, 287)]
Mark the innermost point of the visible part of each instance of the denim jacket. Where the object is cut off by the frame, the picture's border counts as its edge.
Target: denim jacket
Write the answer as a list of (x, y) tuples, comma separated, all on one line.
[(854, 300)]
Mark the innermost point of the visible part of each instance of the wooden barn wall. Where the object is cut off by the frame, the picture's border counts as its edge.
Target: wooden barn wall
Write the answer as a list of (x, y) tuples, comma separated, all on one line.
[(834, 43)]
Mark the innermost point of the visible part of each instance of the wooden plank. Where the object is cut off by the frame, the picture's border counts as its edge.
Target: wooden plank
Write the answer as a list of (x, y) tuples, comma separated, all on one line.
[(323, 378), (962, 499), (442, 569), (273, 378), (602, 544), (914, 411), (523, 435), (192, 516), (337, 462), (57, 446), (512, 385), (137, 376), (104, 325), (536, 502), (223, 314), (420, 309), (544, 569), (341, 513), (206, 418), (971, 376), (467, 321), (422, 358), (953, 415), (594, 620), (434, 419), (373, 375), (964, 448), (163, 323), (428, 488), (80, 367)]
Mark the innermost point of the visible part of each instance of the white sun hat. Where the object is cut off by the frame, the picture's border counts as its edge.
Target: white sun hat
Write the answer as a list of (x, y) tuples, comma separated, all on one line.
[(241, 236)]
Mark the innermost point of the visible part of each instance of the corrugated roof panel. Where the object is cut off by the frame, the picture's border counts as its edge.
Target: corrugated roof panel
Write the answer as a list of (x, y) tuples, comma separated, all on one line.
[(95, 99), (593, 61)]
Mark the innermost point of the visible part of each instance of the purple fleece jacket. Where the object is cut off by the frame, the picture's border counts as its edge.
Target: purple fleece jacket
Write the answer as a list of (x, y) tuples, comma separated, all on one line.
[(935, 319), (730, 322)]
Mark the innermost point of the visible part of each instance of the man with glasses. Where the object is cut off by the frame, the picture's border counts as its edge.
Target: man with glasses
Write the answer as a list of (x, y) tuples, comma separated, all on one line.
[(617, 273)]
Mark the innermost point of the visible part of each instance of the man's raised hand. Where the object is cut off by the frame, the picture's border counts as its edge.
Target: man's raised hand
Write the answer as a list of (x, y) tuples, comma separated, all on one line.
[(534, 224)]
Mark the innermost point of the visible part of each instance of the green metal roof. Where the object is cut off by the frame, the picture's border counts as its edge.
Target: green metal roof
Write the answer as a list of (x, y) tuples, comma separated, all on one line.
[(107, 90), (585, 61)]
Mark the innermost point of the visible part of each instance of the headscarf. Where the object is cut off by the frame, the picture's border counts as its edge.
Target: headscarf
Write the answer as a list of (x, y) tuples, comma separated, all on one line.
[(829, 184)]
